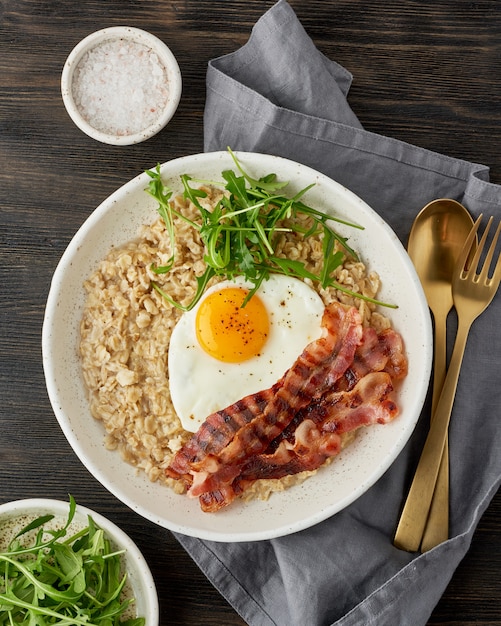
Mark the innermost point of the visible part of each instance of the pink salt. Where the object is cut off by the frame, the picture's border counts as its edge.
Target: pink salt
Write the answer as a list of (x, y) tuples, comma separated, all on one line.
[(120, 87)]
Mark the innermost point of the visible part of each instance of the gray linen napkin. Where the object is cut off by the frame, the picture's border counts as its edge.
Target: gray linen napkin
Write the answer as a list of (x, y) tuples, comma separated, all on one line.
[(278, 94)]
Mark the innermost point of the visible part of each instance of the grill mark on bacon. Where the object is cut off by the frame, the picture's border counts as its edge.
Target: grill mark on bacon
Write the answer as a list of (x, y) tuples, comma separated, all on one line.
[(320, 365), (213, 501)]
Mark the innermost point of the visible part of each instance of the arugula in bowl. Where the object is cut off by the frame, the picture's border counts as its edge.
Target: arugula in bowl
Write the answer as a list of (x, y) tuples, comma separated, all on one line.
[(52, 575)]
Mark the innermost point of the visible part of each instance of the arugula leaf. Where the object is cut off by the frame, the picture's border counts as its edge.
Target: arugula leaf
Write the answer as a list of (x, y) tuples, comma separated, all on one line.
[(163, 194), (36, 523), (268, 183), (240, 233)]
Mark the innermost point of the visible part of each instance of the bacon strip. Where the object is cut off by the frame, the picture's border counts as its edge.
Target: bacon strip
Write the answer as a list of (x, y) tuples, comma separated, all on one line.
[(316, 438), (319, 366)]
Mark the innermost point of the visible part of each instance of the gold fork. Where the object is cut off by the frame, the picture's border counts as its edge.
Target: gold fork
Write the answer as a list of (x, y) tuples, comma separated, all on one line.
[(472, 294)]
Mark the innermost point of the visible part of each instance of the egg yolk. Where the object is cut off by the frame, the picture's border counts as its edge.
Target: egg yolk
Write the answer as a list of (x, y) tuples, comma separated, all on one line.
[(229, 332)]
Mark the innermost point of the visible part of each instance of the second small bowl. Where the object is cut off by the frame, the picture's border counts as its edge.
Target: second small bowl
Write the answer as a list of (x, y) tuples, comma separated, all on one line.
[(17, 514)]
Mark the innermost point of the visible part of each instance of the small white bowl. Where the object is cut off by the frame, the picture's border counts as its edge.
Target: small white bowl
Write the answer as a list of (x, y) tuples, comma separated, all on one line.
[(121, 85), (17, 514)]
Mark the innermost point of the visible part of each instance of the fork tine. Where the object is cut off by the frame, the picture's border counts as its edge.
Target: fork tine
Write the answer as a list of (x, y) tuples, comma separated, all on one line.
[(497, 271), (476, 259), (466, 250), (490, 254)]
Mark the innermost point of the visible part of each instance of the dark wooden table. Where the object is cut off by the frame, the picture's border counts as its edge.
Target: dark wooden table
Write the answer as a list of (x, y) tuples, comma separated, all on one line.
[(426, 71)]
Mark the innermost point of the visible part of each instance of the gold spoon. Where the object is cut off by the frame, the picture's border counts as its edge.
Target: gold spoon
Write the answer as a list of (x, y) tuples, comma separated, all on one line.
[(435, 241)]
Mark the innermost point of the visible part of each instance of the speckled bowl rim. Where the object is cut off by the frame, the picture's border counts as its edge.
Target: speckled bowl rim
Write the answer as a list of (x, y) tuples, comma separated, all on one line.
[(140, 36), (138, 570)]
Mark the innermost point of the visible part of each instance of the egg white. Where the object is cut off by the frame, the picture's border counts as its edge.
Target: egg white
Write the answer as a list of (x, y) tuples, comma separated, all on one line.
[(201, 384)]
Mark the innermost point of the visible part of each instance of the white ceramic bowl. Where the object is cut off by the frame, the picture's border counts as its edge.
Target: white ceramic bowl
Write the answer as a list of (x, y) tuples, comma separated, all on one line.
[(116, 221), (115, 90), (17, 514)]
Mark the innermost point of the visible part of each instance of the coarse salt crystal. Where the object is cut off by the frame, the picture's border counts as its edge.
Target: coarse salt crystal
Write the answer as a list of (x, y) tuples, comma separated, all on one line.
[(120, 87)]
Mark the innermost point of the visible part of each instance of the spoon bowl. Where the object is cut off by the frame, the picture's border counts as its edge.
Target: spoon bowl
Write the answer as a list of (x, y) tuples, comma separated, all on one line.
[(435, 241)]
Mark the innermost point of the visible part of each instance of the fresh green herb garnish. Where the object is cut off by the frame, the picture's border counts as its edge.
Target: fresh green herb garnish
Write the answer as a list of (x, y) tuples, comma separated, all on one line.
[(240, 232), (63, 580)]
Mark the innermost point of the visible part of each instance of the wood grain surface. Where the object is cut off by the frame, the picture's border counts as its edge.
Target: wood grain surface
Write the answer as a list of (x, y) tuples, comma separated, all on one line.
[(426, 71)]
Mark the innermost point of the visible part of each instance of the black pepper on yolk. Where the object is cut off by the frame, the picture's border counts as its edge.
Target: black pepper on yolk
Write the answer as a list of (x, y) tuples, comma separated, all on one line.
[(228, 331)]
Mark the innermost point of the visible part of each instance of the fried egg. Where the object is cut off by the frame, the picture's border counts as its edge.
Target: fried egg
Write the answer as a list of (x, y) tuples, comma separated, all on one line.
[(221, 351)]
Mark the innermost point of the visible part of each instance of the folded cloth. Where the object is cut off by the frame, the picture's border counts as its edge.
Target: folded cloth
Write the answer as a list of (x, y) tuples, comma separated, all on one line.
[(279, 95)]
